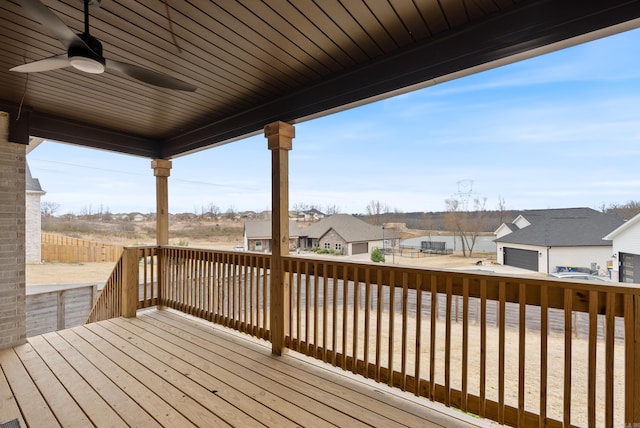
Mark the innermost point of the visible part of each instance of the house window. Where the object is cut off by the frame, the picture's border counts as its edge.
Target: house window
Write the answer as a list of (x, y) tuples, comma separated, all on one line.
[(338, 246), (258, 245), (327, 245)]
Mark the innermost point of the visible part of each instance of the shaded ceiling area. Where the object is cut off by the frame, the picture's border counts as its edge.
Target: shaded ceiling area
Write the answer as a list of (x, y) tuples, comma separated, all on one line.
[(257, 61)]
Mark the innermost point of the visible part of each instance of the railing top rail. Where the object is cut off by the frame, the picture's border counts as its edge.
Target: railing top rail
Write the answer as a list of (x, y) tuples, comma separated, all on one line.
[(508, 279)]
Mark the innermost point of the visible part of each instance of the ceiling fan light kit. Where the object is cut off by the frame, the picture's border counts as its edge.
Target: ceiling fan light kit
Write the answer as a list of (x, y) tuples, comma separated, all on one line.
[(84, 52)]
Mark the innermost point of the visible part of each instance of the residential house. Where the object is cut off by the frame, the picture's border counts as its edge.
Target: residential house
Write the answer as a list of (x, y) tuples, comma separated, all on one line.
[(343, 233), (33, 221), (308, 215), (626, 251), (257, 235), (556, 239)]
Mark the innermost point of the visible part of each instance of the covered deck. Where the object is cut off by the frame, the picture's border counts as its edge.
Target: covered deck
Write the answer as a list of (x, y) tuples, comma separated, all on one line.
[(164, 368)]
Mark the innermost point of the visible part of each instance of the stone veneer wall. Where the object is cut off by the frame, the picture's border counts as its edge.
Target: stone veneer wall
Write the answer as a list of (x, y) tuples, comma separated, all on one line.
[(33, 226), (12, 239)]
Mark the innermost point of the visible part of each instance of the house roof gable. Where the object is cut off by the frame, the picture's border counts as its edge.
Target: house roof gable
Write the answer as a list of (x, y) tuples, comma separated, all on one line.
[(624, 228)]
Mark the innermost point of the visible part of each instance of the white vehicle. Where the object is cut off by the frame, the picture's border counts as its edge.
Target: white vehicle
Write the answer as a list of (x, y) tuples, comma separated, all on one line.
[(578, 275)]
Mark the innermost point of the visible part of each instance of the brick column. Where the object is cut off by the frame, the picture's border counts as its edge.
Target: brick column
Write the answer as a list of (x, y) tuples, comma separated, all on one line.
[(12, 239), (279, 137)]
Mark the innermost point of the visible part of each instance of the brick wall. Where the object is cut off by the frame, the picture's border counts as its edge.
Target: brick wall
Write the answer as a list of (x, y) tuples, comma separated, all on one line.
[(12, 239)]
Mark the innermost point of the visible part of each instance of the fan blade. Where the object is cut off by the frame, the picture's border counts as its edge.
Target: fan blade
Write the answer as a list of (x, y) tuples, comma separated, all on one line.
[(150, 77), (50, 20), (51, 63)]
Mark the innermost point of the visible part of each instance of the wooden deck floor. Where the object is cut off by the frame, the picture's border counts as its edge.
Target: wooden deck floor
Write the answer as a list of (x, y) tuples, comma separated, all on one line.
[(166, 369)]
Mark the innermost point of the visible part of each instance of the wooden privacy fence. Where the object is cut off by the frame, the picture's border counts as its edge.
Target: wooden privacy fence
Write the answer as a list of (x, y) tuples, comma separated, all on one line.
[(58, 309), (65, 249), (508, 352)]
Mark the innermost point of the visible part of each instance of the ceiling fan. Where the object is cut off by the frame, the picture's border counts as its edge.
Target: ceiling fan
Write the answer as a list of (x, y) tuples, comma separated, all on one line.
[(84, 52)]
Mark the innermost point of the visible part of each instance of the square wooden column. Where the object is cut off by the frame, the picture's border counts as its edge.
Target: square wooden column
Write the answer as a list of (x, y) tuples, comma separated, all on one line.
[(161, 170), (279, 137)]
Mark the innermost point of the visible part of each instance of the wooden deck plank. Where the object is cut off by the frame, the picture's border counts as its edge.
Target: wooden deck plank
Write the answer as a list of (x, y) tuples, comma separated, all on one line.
[(347, 392), (165, 414), (145, 355), (126, 407), (33, 406), (278, 383), (246, 396), (66, 410), (9, 409), (193, 411), (100, 413), (160, 369)]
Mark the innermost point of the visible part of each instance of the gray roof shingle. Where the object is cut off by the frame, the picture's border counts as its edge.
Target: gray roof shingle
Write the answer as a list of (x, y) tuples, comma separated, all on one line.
[(347, 226), (566, 227), (261, 229)]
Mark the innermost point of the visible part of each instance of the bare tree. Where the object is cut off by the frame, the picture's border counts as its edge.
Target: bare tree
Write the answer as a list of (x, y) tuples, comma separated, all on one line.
[(49, 209), (332, 209), (466, 222), (376, 210), (502, 209)]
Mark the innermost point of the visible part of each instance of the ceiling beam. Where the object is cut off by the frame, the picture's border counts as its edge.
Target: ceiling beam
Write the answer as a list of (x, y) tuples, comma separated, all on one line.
[(528, 26)]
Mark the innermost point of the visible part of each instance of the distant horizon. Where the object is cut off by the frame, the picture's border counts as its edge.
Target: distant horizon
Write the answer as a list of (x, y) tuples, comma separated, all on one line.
[(558, 130)]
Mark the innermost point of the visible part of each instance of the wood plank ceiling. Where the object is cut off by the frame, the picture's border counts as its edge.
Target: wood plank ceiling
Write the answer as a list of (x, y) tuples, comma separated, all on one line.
[(256, 61)]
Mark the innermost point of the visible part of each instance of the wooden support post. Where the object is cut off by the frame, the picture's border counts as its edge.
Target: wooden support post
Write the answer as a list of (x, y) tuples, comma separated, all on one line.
[(161, 170), (632, 360), (130, 283), (279, 137)]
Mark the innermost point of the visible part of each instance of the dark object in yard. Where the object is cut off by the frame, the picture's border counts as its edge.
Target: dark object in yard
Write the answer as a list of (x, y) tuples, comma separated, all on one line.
[(479, 263)]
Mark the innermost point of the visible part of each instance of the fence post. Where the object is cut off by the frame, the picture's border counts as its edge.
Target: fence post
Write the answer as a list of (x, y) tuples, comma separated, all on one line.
[(130, 280), (632, 360)]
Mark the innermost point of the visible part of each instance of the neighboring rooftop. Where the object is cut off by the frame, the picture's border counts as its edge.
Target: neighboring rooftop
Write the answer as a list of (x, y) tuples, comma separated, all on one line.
[(261, 229), (347, 226), (564, 227)]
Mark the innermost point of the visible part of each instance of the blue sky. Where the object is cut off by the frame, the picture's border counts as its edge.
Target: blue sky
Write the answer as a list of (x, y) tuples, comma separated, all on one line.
[(560, 130)]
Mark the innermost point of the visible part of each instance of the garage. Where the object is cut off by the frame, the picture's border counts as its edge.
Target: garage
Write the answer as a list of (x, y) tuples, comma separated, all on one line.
[(360, 248), (517, 257), (628, 271)]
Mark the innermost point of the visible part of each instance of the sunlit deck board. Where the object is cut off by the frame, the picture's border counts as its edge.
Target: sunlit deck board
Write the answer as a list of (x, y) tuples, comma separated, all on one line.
[(165, 369)]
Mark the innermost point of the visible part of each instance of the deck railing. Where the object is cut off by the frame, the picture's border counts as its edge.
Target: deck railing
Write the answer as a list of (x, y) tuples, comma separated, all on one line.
[(520, 351)]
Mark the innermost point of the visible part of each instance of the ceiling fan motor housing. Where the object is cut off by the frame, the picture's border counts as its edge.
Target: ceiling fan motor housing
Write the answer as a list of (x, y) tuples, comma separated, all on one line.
[(88, 59)]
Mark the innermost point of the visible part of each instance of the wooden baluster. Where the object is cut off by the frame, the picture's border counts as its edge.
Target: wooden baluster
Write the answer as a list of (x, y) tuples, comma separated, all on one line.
[(405, 319), (325, 307), (392, 301), (447, 343), (432, 343), (355, 330), (379, 309), (568, 308), (592, 368), (345, 314), (544, 357), (307, 308), (315, 310), (610, 337), (522, 334), (501, 344), (483, 348), (367, 318), (465, 345), (298, 288), (632, 359), (418, 346), (334, 335)]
